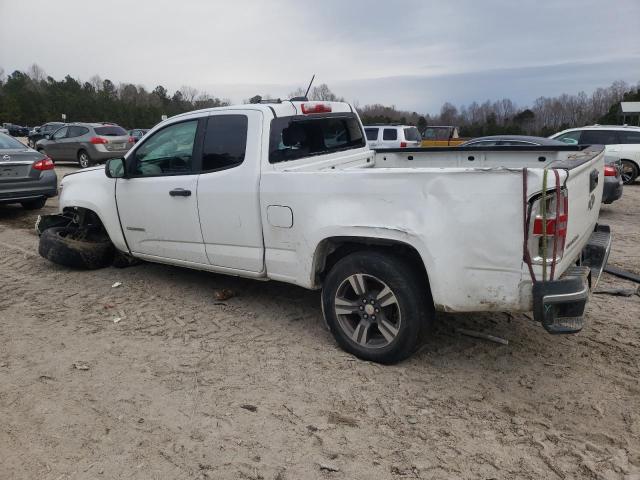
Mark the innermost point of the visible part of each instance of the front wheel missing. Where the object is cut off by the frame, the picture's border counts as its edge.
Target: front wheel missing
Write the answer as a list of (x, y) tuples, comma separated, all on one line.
[(74, 248)]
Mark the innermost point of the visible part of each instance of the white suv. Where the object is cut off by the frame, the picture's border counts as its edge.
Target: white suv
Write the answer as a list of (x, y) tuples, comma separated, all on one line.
[(392, 136), (622, 142)]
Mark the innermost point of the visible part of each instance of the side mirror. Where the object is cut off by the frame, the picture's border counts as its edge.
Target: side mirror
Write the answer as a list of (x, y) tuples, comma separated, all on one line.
[(47, 136), (115, 168)]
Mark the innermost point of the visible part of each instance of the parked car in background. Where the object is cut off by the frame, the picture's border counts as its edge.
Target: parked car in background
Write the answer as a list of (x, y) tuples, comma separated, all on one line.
[(509, 140), (38, 133), (621, 141), (16, 130), (612, 171), (4, 130), (26, 176), (137, 133), (392, 136), (86, 143)]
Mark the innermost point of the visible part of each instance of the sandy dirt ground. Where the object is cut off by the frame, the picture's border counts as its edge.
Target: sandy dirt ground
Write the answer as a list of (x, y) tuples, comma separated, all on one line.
[(186, 386)]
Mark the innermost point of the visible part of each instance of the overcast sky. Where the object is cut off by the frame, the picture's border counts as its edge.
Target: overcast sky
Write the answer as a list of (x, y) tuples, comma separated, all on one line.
[(412, 54)]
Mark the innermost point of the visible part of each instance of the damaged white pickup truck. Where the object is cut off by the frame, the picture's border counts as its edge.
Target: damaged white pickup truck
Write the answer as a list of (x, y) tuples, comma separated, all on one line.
[(289, 191)]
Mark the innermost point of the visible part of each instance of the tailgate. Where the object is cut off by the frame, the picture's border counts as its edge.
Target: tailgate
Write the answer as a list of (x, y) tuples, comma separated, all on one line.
[(584, 184)]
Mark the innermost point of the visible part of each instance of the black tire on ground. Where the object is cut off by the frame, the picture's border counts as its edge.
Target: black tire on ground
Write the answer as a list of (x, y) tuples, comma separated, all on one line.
[(34, 204), (84, 160), (394, 334), (630, 172), (57, 247)]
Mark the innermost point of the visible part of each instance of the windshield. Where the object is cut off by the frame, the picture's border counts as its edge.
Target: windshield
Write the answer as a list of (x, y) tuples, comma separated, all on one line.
[(111, 131), (9, 143)]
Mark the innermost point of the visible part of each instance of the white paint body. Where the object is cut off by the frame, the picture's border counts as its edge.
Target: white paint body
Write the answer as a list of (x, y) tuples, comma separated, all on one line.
[(273, 221)]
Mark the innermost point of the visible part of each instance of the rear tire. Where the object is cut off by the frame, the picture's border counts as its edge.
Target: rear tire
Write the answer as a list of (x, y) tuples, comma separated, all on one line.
[(34, 204), (84, 160), (377, 307), (57, 246), (630, 172)]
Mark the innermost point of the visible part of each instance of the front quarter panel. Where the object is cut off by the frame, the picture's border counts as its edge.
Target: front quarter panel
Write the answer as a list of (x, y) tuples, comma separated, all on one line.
[(93, 190)]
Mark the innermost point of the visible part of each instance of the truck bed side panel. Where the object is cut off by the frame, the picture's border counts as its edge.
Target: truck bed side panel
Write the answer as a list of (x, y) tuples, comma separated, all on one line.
[(474, 261)]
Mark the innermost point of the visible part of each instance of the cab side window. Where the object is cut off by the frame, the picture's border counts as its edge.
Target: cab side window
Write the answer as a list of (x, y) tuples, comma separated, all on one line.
[(225, 142), (168, 152)]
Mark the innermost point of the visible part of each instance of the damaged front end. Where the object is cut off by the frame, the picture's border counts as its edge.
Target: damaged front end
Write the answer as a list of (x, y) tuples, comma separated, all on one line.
[(45, 222)]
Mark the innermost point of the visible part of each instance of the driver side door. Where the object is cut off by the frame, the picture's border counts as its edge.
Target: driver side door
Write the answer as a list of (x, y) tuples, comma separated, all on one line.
[(157, 203)]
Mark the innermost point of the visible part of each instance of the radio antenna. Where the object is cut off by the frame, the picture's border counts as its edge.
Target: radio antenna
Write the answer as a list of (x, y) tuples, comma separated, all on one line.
[(309, 87)]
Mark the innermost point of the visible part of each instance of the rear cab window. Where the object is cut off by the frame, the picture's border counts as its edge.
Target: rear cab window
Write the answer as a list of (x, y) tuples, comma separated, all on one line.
[(297, 137)]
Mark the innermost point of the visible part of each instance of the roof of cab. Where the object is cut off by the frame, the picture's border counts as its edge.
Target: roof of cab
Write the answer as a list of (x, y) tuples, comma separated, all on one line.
[(284, 108)]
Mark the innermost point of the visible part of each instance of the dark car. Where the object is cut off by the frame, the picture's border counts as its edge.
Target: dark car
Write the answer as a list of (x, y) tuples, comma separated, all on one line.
[(137, 133), (86, 143), (17, 130), (26, 176), (612, 171), (39, 133)]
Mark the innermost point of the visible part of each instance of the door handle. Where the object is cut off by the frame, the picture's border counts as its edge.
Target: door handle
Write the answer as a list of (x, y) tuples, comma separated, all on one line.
[(180, 192)]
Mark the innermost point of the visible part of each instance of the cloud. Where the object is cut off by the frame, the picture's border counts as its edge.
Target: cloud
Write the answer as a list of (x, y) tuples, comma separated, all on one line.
[(239, 48)]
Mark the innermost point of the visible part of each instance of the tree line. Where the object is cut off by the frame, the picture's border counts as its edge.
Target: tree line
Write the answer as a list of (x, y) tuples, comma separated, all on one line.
[(32, 98)]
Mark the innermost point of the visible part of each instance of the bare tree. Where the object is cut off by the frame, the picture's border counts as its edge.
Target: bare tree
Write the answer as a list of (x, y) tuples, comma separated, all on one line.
[(189, 94), (96, 81), (36, 73)]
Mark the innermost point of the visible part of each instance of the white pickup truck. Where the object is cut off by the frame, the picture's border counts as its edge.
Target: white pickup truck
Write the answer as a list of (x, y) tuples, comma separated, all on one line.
[(290, 191)]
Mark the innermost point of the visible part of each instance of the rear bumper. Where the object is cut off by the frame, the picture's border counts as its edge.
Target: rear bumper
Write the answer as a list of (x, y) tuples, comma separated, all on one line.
[(19, 191), (560, 304), (612, 189)]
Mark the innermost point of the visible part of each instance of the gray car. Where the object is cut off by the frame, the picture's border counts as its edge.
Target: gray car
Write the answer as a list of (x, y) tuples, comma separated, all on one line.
[(612, 172), (86, 143), (26, 176)]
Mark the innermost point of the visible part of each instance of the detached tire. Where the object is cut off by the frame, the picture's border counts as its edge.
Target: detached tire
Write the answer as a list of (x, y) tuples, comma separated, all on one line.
[(91, 254), (377, 307)]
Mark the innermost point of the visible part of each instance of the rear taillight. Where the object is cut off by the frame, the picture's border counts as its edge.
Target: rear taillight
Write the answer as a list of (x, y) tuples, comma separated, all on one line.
[(44, 164), (98, 141), (542, 234), (315, 108), (403, 144), (610, 171), (132, 140)]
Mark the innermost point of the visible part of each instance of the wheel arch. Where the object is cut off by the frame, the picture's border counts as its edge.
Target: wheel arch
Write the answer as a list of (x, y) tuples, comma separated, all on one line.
[(330, 250)]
